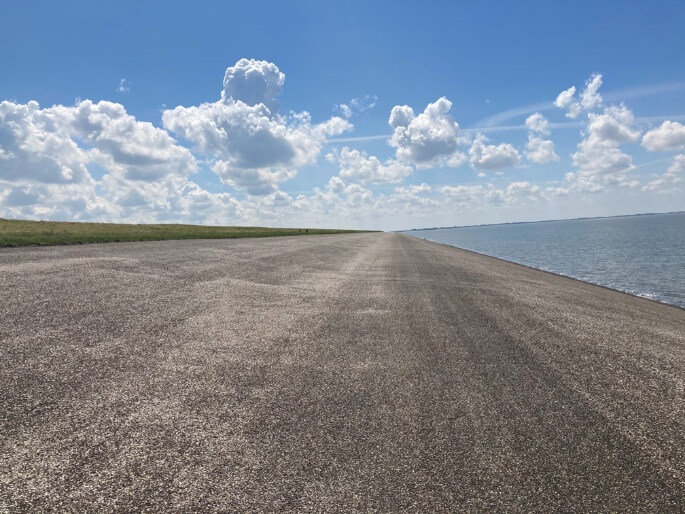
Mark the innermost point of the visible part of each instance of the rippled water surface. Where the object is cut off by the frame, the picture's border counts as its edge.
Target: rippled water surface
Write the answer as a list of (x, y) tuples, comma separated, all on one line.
[(642, 255)]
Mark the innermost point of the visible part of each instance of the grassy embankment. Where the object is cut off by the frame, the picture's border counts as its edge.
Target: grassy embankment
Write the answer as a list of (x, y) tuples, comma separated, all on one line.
[(23, 232)]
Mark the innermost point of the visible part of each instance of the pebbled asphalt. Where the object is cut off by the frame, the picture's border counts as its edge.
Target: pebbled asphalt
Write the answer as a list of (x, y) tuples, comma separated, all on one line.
[(362, 372)]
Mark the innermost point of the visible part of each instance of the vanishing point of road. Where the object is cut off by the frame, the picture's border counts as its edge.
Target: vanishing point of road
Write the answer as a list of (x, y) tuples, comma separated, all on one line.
[(360, 372)]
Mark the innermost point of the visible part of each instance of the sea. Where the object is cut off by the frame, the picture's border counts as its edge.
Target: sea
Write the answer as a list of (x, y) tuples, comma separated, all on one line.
[(643, 255)]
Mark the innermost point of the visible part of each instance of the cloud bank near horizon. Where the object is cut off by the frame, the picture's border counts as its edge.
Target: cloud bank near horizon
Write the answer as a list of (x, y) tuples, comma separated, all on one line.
[(96, 161)]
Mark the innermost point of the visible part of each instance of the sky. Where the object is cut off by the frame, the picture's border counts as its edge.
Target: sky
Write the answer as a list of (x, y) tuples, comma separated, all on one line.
[(370, 115)]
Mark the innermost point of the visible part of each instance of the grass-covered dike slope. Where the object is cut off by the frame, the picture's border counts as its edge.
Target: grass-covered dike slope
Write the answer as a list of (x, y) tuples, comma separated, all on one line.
[(25, 232)]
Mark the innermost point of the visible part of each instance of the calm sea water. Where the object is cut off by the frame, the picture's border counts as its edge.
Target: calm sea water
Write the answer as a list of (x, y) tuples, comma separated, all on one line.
[(642, 255)]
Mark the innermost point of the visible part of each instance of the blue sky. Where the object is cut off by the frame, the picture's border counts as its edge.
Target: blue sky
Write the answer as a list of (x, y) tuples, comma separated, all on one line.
[(108, 140)]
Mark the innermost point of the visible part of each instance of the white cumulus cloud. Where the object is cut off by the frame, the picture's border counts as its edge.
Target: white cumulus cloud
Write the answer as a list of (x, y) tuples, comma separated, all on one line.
[(589, 97), (356, 165), (45, 156), (538, 124), (57, 144), (253, 147), (565, 98), (492, 157), (254, 82), (34, 146), (670, 135), (538, 149), (599, 152), (136, 149), (428, 139)]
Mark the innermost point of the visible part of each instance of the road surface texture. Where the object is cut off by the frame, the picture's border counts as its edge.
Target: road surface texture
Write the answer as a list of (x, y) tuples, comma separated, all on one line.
[(346, 373)]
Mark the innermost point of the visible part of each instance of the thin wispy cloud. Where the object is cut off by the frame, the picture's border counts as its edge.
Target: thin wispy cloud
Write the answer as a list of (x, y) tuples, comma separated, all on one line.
[(356, 106), (124, 86), (497, 120), (515, 112), (630, 93)]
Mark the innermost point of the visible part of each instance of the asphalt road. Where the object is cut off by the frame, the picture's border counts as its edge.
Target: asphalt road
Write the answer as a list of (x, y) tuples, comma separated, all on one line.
[(330, 373)]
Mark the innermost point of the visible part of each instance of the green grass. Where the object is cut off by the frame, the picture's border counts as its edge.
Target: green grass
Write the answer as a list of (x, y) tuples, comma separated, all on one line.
[(24, 232)]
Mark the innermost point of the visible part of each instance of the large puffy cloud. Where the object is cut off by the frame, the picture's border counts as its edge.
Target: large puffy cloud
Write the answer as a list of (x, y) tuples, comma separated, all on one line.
[(136, 149), (141, 174), (614, 126), (253, 147), (35, 147), (356, 165), (253, 82), (56, 144), (599, 153), (598, 157), (538, 149), (45, 156), (492, 157), (245, 136), (670, 135), (429, 139), (589, 98), (401, 116), (537, 124)]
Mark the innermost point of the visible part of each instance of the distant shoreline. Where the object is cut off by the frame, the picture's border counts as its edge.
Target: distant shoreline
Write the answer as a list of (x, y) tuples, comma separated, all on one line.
[(545, 221)]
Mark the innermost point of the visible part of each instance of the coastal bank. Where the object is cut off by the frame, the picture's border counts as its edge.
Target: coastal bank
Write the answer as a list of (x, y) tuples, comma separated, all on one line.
[(338, 373)]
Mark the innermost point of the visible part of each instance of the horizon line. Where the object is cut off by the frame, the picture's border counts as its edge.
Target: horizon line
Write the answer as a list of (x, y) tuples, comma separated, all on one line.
[(542, 221)]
